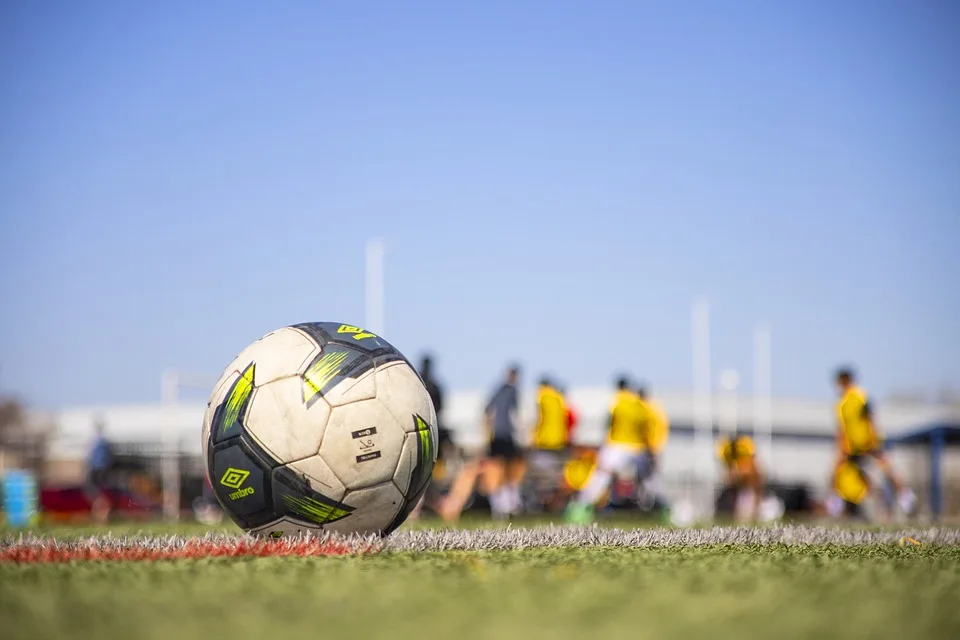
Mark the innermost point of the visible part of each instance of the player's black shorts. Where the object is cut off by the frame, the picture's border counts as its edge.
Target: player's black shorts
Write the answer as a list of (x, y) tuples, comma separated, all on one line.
[(98, 482), (504, 449)]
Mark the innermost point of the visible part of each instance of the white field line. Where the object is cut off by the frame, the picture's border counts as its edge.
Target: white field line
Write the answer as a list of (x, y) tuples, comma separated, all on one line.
[(530, 538)]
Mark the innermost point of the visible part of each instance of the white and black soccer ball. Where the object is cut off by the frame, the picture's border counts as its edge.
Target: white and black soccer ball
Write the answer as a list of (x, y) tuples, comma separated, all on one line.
[(319, 426)]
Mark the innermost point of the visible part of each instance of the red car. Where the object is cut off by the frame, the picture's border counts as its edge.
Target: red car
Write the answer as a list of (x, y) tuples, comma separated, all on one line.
[(72, 503)]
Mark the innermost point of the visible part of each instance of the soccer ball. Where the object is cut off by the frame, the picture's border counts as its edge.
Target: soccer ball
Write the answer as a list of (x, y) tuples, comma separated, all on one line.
[(319, 426)]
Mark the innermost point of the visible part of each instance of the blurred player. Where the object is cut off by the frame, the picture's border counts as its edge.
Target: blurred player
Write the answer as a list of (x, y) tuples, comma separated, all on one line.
[(654, 442), (573, 418), (629, 420), (858, 439), (501, 470), (445, 440), (551, 442), (504, 468), (99, 466), (739, 458)]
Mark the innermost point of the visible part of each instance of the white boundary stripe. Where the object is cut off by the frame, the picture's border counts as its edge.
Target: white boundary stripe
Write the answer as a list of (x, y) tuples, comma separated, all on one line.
[(537, 538)]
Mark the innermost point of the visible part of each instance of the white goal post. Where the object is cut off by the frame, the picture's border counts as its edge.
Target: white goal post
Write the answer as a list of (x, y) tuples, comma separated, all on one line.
[(374, 290), (763, 395), (703, 408)]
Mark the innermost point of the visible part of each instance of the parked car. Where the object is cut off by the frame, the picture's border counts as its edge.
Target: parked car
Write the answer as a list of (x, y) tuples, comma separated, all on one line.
[(60, 504)]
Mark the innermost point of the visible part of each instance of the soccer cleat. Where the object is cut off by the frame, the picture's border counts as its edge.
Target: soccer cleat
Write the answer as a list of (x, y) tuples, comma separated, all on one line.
[(908, 501), (578, 513)]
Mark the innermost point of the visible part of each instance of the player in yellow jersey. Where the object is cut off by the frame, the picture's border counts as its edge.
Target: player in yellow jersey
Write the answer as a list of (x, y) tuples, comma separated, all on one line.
[(551, 442), (629, 420), (658, 427), (739, 457), (655, 438), (858, 439), (551, 431)]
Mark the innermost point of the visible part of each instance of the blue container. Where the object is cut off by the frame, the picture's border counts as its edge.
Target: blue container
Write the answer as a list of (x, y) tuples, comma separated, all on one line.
[(19, 498)]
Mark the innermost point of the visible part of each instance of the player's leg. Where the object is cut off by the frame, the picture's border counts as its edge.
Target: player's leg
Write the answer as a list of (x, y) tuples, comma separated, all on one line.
[(882, 508), (645, 491), (460, 491), (572, 475), (755, 484), (100, 508), (557, 494), (516, 469), (539, 475), (749, 483), (906, 498), (492, 477), (882, 511), (610, 459)]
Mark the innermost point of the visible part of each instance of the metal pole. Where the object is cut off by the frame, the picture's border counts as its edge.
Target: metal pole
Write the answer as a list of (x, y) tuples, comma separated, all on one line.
[(375, 289), (729, 381), (703, 404), (937, 442), (762, 390), (170, 389)]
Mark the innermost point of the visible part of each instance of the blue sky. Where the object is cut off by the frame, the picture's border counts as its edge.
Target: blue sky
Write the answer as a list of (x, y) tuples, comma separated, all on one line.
[(555, 181)]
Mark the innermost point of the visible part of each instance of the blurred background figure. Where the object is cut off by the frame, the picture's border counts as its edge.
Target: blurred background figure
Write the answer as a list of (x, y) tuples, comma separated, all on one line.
[(551, 446), (445, 441), (433, 387), (858, 441), (446, 444), (743, 492), (99, 465), (501, 467), (618, 457), (573, 416), (655, 441), (505, 466)]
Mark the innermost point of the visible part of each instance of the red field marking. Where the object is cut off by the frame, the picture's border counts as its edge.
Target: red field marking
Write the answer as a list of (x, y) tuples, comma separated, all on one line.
[(193, 549)]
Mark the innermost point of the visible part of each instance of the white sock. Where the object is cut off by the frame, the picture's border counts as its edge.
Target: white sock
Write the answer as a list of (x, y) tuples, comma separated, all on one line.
[(598, 483), (515, 501), (908, 500), (499, 502)]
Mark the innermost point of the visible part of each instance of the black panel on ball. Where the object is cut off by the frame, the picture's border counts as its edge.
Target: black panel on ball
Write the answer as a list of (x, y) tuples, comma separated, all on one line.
[(379, 350), (230, 414), (241, 484), (406, 510)]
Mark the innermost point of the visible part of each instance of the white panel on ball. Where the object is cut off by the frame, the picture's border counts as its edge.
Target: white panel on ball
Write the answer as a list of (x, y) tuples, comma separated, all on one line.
[(320, 476), (350, 390), (278, 355), (362, 443), (281, 423), (401, 390), (408, 462)]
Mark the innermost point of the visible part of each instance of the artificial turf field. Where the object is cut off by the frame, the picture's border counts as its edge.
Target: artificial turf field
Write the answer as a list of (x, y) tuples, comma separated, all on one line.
[(774, 582)]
